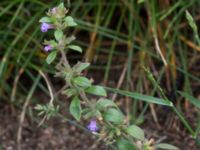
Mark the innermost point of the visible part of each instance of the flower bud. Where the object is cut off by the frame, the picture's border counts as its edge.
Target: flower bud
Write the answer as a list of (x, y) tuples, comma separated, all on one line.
[(54, 10), (48, 48)]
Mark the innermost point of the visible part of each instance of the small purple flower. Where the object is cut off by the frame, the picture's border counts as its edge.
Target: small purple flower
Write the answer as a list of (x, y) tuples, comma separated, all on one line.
[(92, 126), (48, 48), (45, 27)]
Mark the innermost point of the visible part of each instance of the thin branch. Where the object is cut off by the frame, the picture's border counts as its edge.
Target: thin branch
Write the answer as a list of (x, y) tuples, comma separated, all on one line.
[(159, 50), (48, 85), (15, 84), (121, 79)]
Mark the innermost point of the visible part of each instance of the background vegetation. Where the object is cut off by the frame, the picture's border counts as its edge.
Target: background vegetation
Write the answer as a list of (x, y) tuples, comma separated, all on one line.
[(118, 37)]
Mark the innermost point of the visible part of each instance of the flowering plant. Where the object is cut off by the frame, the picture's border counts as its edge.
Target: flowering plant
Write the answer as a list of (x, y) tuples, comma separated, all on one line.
[(105, 118)]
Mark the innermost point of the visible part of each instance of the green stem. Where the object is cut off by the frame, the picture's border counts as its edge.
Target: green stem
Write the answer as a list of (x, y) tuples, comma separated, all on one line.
[(85, 98), (184, 121), (152, 79), (65, 59)]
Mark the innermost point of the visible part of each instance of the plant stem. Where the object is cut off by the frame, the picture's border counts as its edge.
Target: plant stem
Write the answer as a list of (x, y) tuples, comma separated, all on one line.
[(64, 58)]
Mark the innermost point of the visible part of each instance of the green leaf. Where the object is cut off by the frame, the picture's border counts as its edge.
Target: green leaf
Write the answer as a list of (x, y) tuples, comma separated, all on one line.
[(75, 108), (123, 144), (191, 99), (113, 115), (140, 120), (104, 103), (138, 96), (89, 114), (140, 1), (70, 39), (38, 107), (69, 21), (58, 34), (61, 6), (70, 92), (166, 146), (45, 19), (53, 43), (75, 48), (96, 90), (136, 132), (79, 67), (82, 81), (49, 110), (92, 114), (50, 58)]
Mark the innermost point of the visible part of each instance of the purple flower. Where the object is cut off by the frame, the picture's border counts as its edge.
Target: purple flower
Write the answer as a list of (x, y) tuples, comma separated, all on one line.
[(48, 48), (92, 126), (45, 27)]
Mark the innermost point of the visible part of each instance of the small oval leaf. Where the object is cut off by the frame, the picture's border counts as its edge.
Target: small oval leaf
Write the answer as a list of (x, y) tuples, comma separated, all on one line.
[(69, 21), (166, 146), (45, 19), (70, 92), (50, 58), (136, 132), (104, 103), (82, 81), (123, 144), (113, 115), (61, 6), (58, 34), (70, 39), (79, 67), (75, 108), (96, 90), (75, 48)]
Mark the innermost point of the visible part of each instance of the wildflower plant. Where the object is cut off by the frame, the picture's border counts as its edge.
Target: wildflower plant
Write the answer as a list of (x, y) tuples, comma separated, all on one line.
[(105, 119)]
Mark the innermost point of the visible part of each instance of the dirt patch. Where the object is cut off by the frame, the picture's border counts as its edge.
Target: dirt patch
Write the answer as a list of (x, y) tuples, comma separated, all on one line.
[(56, 134), (53, 135)]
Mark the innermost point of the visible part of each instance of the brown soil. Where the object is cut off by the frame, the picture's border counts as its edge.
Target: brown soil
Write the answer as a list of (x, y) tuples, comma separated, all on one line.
[(56, 134)]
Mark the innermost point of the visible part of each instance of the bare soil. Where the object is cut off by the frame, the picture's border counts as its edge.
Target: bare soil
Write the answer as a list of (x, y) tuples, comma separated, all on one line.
[(56, 134)]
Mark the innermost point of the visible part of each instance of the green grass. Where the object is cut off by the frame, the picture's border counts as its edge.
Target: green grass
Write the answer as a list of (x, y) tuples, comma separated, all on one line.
[(121, 30)]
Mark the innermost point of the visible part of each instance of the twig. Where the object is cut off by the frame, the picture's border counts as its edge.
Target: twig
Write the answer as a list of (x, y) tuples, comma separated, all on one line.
[(159, 50), (51, 94), (15, 84), (94, 146), (49, 87), (120, 81), (21, 120), (22, 116), (60, 90)]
